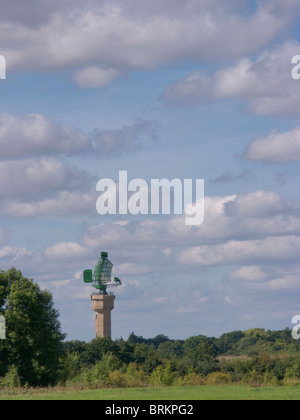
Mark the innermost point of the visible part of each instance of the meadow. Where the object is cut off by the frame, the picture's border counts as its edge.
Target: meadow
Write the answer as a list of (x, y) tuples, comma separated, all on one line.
[(180, 393)]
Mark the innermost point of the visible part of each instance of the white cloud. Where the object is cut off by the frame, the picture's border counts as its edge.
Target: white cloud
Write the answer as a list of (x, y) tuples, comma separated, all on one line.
[(47, 186), (270, 278), (265, 251), (122, 35), (265, 84), (36, 135), (249, 273), (66, 251), (13, 255), (284, 283), (94, 77), (191, 90), (256, 204), (251, 228), (277, 147), (39, 177), (34, 182), (62, 203)]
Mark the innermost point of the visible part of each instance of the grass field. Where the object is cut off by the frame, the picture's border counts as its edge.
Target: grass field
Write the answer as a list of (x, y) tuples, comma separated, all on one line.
[(212, 392)]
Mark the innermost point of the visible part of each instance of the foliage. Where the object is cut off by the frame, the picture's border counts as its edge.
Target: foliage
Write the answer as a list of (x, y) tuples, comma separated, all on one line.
[(139, 362), (33, 335), (11, 379), (98, 374), (218, 378), (197, 360), (163, 376)]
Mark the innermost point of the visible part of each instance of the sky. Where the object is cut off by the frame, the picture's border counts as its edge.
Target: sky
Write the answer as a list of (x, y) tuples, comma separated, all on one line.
[(200, 89)]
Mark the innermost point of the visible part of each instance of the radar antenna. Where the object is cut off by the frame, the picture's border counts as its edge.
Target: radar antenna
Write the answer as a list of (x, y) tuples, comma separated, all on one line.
[(101, 277)]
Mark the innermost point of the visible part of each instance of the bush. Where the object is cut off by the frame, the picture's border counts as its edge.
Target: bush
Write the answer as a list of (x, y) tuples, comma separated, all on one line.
[(218, 378), (163, 376), (135, 376), (253, 378), (98, 375), (117, 379), (69, 367), (11, 379), (291, 377), (131, 377), (271, 380), (190, 379)]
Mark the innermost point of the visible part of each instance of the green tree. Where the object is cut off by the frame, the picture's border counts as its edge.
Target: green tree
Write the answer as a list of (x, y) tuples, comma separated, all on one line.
[(99, 347), (169, 349), (199, 348), (227, 343), (33, 332)]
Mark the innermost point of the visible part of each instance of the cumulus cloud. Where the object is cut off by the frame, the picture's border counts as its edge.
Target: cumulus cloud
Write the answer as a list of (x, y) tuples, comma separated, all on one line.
[(46, 186), (35, 135), (116, 142), (256, 204), (37, 177), (270, 278), (13, 255), (265, 84), (266, 251), (36, 181), (236, 229), (94, 77), (248, 229), (62, 203), (284, 282), (66, 251), (249, 273), (121, 35), (277, 147)]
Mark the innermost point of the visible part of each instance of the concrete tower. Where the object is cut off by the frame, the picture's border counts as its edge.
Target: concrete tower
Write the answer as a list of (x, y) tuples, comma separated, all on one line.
[(102, 305), (102, 302)]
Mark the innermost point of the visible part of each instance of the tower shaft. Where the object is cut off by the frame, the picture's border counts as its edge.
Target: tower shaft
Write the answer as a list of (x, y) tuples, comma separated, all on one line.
[(102, 305)]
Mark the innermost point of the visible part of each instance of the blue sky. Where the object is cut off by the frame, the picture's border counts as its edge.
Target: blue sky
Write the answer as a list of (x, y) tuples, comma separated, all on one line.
[(194, 89)]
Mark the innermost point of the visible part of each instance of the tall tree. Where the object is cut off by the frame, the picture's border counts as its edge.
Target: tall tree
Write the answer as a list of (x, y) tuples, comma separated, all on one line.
[(33, 331)]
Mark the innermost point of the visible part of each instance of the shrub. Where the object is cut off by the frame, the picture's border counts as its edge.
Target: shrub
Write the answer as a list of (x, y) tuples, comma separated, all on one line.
[(271, 380), (11, 379), (69, 367), (163, 376), (98, 375), (117, 379), (253, 378), (135, 376), (218, 378), (190, 379), (291, 377)]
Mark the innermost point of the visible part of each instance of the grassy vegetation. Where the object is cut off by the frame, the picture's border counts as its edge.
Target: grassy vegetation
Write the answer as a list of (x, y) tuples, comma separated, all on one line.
[(186, 393)]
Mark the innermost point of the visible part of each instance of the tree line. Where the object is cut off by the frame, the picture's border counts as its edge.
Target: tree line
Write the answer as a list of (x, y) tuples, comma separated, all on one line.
[(36, 353)]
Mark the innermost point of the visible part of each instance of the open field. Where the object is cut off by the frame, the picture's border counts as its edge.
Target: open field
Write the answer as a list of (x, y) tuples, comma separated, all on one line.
[(212, 392)]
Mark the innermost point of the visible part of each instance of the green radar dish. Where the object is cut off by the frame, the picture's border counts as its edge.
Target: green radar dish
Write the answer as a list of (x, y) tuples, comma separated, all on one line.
[(101, 277)]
